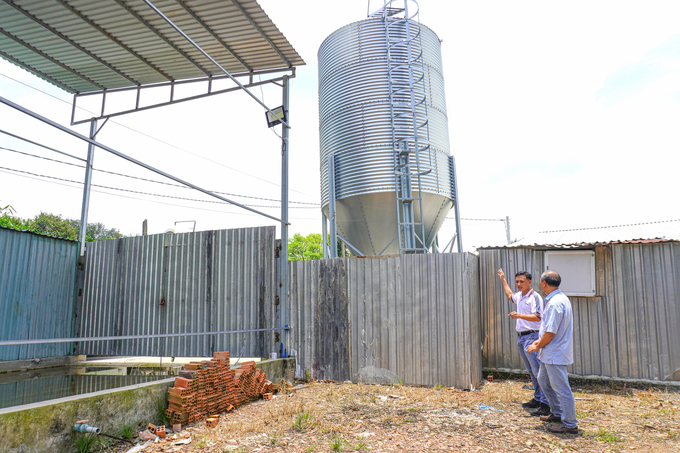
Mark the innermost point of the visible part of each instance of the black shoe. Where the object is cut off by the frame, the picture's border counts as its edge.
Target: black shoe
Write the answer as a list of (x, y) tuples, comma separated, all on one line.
[(533, 404), (543, 410)]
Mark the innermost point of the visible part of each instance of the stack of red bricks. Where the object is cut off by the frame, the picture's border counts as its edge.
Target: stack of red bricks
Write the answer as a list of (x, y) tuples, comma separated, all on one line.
[(210, 387)]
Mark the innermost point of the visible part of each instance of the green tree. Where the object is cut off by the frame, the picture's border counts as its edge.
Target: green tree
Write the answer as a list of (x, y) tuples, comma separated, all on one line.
[(99, 232), (305, 247), (53, 225), (56, 226), (9, 220)]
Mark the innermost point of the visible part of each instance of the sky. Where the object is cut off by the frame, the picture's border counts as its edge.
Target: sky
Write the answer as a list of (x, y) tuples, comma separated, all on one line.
[(562, 116)]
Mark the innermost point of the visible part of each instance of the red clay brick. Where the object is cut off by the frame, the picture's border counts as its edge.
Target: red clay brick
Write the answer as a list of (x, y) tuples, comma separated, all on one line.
[(182, 382)]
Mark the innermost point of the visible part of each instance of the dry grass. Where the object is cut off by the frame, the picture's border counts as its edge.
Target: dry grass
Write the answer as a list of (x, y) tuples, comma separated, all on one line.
[(355, 417)]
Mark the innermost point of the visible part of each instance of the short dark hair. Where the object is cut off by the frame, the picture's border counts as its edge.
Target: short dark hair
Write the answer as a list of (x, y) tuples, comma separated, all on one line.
[(523, 273), (551, 278)]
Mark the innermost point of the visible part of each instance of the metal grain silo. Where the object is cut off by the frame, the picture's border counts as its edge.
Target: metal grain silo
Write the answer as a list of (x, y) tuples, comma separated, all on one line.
[(384, 134)]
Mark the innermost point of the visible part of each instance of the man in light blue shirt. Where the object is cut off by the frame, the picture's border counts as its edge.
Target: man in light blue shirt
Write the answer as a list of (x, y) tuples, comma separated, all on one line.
[(556, 351)]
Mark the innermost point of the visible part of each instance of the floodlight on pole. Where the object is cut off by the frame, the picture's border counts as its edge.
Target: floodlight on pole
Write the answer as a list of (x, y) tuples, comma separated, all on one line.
[(275, 116)]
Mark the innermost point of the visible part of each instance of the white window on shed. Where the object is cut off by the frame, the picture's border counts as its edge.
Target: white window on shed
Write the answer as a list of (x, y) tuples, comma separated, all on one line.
[(577, 269)]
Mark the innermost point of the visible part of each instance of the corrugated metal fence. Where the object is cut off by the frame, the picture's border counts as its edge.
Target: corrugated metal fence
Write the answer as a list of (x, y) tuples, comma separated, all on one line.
[(37, 288), (409, 318), (628, 331), (181, 283)]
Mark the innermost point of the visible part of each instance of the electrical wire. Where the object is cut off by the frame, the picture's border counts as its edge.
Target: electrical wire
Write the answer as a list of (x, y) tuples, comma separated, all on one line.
[(478, 220), (151, 180), (146, 193), (611, 226), (197, 208)]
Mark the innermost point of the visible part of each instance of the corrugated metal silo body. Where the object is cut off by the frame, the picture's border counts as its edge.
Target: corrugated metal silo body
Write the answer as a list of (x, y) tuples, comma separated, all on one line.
[(355, 126)]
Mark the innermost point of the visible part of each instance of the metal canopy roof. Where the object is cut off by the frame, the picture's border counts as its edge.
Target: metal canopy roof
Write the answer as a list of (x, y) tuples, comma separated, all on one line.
[(94, 45)]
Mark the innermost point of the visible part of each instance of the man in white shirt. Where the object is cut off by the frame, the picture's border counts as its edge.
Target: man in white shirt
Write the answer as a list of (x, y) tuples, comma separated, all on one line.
[(528, 314)]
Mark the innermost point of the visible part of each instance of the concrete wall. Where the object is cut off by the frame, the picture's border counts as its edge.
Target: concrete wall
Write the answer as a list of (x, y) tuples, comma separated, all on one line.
[(42, 427)]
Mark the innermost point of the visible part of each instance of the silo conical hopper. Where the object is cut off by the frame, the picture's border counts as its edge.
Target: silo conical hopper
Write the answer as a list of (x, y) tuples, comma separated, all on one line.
[(362, 72)]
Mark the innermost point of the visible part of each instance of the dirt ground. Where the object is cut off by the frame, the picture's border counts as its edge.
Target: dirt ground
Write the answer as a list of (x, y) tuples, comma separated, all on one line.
[(354, 417)]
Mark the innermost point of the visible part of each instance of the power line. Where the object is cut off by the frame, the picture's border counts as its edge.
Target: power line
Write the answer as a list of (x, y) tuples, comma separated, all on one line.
[(612, 226), (197, 208), (146, 193), (150, 180), (478, 220), (151, 137), (145, 200)]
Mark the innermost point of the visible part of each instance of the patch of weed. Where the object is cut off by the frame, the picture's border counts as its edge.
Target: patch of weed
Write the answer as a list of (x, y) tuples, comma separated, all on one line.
[(360, 446), (336, 444), (85, 443), (160, 412), (605, 436), (126, 431), (303, 421)]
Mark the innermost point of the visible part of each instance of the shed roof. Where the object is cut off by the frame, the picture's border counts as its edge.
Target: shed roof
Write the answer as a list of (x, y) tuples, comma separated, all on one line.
[(581, 245), (92, 45)]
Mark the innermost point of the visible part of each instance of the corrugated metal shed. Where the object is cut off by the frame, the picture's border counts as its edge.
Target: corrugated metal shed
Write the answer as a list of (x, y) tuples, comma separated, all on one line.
[(85, 45), (578, 245), (37, 292), (629, 330)]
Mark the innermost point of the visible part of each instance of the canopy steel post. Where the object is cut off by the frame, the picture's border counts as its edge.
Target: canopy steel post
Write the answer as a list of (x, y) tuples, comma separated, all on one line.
[(283, 255), (82, 234), (333, 241), (324, 235)]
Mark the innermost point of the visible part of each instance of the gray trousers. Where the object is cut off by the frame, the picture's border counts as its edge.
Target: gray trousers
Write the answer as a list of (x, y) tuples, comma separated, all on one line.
[(555, 385)]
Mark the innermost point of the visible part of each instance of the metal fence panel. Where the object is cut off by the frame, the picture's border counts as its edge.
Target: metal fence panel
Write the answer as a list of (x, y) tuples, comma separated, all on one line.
[(411, 318), (647, 310), (499, 336), (181, 283), (416, 316), (628, 331), (37, 291), (319, 317)]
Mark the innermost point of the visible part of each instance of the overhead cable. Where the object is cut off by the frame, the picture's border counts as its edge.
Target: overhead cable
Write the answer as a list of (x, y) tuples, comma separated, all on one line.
[(611, 226), (150, 180), (148, 193)]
